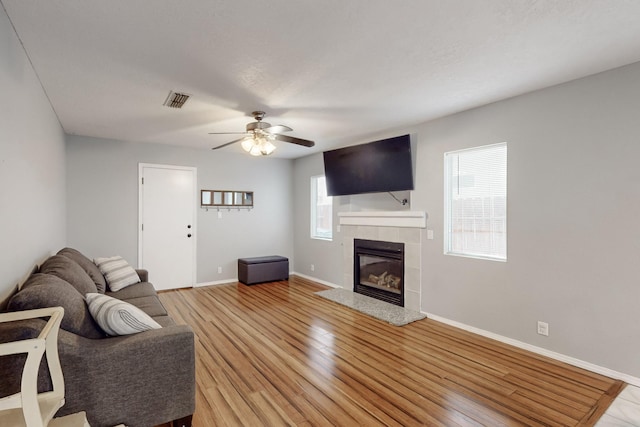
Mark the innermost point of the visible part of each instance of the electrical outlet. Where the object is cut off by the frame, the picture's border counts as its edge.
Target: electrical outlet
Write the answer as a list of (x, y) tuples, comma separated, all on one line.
[(219, 270), (313, 267), (429, 234), (543, 328)]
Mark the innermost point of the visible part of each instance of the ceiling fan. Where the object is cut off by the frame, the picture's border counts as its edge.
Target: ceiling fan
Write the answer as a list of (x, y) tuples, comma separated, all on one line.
[(259, 136)]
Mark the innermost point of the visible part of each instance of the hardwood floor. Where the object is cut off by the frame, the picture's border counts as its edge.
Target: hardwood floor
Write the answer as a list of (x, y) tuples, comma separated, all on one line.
[(276, 354)]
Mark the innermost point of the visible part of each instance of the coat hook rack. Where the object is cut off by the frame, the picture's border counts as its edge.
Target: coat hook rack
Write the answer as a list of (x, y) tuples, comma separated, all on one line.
[(226, 199)]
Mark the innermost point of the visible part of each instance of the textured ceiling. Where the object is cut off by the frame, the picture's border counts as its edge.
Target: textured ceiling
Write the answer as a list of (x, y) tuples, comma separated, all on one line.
[(335, 71)]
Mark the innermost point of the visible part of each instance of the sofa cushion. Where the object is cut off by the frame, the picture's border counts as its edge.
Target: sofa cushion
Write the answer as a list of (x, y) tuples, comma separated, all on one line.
[(164, 321), (118, 317), (69, 271), (137, 290), (117, 272), (87, 265), (150, 304), (44, 290)]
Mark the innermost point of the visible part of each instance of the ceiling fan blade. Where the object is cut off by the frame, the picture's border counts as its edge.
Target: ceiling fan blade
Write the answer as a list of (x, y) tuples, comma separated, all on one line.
[(277, 129), (228, 143), (227, 133), (294, 140)]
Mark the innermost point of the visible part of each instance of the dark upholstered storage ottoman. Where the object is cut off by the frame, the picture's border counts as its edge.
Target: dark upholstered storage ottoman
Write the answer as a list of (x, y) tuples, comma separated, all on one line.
[(263, 269)]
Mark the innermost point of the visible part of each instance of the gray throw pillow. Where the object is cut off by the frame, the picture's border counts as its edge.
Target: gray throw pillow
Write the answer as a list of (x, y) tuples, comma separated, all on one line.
[(69, 271), (44, 290), (87, 265)]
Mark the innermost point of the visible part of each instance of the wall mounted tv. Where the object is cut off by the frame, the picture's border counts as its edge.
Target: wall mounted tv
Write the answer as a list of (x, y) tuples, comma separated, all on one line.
[(376, 167)]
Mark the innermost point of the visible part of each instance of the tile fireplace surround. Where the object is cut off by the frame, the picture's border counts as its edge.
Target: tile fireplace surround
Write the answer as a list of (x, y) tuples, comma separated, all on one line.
[(391, 226)]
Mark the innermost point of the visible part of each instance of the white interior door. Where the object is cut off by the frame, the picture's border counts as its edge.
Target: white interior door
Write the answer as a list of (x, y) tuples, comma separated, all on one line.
[(167, 229)]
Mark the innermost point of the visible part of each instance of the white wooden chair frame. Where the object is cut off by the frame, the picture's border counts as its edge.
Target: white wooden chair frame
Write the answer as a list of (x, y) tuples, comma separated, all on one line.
[(28, 408)]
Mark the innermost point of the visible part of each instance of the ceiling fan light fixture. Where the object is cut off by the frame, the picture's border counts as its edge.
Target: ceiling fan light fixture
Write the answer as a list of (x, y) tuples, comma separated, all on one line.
[(255, 151), (267, 147), (258, 146), (247, 144)]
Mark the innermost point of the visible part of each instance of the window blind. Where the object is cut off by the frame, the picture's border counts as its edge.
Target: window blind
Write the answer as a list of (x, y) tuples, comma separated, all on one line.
[(321, 209), (476, 202)]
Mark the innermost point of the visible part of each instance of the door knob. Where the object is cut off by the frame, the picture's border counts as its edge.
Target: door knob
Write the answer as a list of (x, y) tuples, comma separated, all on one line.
[(189, 226), (189, 235)]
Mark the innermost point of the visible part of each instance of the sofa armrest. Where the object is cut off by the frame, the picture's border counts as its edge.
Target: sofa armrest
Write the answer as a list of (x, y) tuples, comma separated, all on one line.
[(144, 379), (141, 379), (143, 274)]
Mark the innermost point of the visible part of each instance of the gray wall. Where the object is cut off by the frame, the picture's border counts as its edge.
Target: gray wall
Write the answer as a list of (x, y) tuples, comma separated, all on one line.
[(573, 209), (32, 164), (102, 194), (325, 255), (573, 230)]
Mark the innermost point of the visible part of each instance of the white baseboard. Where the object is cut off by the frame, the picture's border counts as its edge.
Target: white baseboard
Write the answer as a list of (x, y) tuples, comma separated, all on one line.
[(315, 279), (226, 281), (542, 351), (217, 282)]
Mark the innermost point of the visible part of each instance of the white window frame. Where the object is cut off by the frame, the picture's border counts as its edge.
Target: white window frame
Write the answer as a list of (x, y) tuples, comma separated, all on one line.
[(498, 224), (315, 204)]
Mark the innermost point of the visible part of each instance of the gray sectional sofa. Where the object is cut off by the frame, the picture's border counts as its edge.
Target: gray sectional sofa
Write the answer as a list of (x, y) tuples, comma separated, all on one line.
[(140, 380)]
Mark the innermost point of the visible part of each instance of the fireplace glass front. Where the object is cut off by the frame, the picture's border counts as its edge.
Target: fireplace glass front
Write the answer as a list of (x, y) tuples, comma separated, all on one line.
[(379, 270)]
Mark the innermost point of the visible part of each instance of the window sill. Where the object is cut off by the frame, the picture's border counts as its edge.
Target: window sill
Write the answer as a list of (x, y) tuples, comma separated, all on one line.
[(482, 257)]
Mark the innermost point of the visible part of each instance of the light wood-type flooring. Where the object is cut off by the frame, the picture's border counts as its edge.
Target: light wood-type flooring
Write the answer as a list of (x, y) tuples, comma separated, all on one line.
[(276, 354)]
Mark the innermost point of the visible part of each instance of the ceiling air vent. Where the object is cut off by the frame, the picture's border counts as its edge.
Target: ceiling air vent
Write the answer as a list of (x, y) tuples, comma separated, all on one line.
[(176, 100)]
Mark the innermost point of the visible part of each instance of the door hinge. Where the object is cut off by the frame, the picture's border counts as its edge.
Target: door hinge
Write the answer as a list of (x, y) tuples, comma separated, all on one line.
[(143, 180), (142, 227)]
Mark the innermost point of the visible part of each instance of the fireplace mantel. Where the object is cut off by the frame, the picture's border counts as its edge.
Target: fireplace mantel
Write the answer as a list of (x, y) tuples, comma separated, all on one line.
[(411, 219)]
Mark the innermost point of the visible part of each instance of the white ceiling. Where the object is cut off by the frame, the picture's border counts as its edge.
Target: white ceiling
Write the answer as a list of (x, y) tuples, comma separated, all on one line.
[(335, 71)]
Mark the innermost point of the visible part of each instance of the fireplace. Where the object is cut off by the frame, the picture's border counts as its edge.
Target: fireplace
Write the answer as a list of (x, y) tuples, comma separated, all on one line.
[(378, 270)]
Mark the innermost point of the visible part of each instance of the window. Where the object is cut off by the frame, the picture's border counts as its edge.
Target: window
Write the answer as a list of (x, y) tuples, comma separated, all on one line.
[(321, 209), (476, 202)]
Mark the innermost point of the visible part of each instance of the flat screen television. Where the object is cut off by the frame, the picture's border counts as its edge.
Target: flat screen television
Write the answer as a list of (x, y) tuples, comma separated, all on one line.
[(376, 167)]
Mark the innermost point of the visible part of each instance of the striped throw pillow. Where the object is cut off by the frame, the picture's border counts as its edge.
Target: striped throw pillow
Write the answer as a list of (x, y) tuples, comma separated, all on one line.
[(117, 272), (117, 317)]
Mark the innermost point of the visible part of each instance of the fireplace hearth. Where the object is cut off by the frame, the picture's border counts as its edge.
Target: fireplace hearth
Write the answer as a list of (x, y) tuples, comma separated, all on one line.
[(379, 270)]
